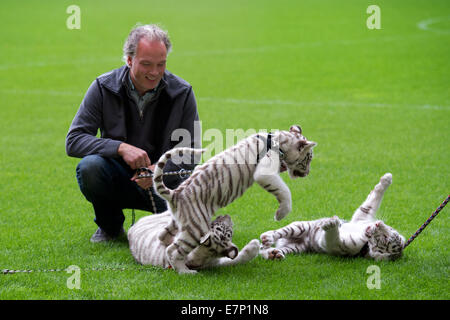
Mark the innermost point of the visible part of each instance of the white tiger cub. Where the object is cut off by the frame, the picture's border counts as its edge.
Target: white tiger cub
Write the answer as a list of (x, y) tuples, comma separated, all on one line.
[(224, 178), (362, 236), (215, 248)]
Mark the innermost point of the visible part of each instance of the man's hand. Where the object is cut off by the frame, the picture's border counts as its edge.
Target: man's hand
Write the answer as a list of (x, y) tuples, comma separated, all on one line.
[(144, 183), (136, 158)]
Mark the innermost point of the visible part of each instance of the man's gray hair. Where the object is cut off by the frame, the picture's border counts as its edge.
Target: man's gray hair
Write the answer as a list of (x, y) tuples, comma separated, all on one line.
[(149, 31)]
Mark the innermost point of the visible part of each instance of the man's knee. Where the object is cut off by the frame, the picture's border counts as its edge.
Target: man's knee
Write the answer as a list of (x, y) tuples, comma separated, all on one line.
[(92, 172)]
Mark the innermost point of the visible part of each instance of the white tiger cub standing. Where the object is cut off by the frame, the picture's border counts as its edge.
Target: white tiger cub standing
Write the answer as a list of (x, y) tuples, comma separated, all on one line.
[(224, 178), (362, 236), (215, 249)]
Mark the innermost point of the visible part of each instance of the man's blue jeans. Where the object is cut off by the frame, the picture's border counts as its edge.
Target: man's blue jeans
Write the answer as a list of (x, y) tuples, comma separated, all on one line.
[(105, 182)]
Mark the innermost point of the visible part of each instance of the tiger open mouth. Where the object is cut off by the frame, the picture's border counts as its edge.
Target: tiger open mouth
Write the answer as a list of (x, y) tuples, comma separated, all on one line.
[(299, 174), (283, 166), (193, 266)]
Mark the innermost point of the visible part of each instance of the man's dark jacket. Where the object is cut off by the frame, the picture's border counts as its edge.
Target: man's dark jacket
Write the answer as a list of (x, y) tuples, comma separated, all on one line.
[(107, 106)]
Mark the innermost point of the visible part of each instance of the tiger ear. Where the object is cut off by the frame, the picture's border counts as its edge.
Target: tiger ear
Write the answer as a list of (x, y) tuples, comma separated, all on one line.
[(380, 225), (227, 219), (295, 129), (304, 144), (206, 239), (310, 144)]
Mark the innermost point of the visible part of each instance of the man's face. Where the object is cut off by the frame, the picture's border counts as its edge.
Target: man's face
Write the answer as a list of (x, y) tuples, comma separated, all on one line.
[(148, 65)]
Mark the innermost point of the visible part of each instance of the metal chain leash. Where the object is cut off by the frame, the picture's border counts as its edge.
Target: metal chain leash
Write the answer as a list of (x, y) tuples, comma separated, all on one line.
[(9, 271), (148, 173), (183, 174), (435, 213), (140, 175)]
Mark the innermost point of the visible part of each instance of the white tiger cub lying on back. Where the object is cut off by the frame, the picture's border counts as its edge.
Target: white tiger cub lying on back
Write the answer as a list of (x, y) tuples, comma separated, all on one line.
[(215, 248), (362, 236)]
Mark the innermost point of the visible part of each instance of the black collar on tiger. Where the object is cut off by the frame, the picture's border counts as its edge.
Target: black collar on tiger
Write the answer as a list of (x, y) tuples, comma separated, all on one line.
[(364, 250), (268, 143)]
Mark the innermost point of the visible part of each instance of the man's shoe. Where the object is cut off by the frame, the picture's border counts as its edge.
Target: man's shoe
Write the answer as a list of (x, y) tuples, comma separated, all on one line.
[(102, 236)]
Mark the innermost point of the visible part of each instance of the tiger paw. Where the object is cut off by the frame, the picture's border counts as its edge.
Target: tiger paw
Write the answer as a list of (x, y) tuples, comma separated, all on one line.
[(330, 223), (282, 211), (250, 251), (181, 268), (252, 246), (275, 254), (165, 237), (267, 239), (385, 181), (186, 271)]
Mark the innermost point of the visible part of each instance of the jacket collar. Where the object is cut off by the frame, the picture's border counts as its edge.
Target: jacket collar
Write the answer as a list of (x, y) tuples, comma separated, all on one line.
[(117, 79)]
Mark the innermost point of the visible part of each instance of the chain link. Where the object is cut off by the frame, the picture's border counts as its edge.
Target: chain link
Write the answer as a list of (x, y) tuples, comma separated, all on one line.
[(435, 213), (8, 271), (182, 173)]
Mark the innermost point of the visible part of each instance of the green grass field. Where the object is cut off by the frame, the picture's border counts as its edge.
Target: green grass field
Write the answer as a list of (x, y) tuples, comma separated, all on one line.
[(376, 101)]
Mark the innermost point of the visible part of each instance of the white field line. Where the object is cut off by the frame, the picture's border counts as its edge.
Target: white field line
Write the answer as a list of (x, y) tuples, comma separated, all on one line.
[(250, 50), (41, 92), (321, 103), (270, 102), (56, 63), (299, 45), (428, 25)]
